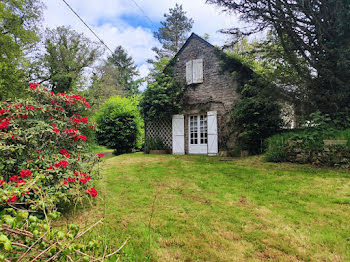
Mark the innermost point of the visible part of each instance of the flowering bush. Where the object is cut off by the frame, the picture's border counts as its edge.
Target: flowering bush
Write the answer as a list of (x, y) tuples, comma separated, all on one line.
[(43, 162)]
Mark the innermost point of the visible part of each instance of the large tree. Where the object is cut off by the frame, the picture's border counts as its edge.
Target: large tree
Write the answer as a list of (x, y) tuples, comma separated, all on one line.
[(19, 22), (317, 31), (67, 54), (127, 70), (173, 32), (115, 76)]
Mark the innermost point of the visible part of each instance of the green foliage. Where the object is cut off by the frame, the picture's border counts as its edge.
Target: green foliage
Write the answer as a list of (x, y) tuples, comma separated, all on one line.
[(42, 150), (68, 54), (116, 76), (309, 139), (162, 98), (315, 40), (19, 23), (156, 144), (31, 236), (173, 32), (120, 126), (256, 115), (127, 70)]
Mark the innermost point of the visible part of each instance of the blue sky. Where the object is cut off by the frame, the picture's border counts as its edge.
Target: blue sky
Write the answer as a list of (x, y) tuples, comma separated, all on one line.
[(121, 22)]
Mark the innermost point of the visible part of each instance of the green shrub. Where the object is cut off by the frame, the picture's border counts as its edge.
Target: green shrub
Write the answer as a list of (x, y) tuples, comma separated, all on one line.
[(120, 126), (256, 115), (309, 139), (156, 144)]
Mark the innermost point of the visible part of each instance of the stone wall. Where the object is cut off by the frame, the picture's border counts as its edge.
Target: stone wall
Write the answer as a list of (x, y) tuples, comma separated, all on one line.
[(331, 155), (216, 93)]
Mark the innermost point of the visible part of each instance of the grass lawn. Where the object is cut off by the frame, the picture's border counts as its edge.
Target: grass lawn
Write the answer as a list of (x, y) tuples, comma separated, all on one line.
[(94, 148), (197, 208)]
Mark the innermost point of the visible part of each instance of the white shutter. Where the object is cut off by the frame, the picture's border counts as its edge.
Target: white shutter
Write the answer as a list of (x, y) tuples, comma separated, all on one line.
[(178, 135), (197, 71), (212, 133), (189, 72)]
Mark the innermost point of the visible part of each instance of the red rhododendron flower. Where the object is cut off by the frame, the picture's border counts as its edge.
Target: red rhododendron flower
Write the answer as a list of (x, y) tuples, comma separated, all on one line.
[(14, 178), (12, 199), (83, 180), (71, 131), (53, 102), (33, 86), (25, 173), (3, 111), (100, 155), (50, 168), (84, 120), (56, 130), (83, 138), (92, 192), (76, 120), (87, 178), (2, 182), (24, 116), (62, 163), (54, 125), (30, 108), (64, 182), (4, 124), (77, 97), (18, 106), (71, 180), (76, 138), (63, 151)]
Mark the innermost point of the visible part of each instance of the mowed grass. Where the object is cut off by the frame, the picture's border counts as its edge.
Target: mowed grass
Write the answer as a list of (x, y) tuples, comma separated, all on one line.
[(198, 208)]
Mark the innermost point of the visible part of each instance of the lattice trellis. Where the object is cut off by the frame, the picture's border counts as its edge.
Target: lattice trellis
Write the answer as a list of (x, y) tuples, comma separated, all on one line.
[(160, 128)]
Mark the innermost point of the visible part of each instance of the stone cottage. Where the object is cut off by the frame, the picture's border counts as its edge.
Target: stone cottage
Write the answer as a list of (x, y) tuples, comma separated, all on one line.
[(203, 125)]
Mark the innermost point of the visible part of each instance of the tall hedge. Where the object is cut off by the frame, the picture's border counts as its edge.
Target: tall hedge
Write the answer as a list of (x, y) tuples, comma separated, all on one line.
[(120, 126)]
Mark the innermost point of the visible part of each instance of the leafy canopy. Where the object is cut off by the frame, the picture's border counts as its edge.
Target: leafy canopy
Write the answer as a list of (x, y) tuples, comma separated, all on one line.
[(173, 32), (19, 22), (67, 54), (318, 32)]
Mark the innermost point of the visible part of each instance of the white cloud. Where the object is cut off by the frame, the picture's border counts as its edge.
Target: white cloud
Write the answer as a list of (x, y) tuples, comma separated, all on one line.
[(105, 18)]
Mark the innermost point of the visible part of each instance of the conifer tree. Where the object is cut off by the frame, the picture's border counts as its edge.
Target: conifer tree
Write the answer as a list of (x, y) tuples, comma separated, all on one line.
[(173, 32)]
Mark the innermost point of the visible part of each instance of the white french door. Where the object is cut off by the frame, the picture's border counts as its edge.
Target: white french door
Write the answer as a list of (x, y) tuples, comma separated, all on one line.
[(198, 134)]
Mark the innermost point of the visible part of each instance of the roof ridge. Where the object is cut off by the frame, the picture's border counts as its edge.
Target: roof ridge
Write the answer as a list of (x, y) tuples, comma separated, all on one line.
[(193, 35)]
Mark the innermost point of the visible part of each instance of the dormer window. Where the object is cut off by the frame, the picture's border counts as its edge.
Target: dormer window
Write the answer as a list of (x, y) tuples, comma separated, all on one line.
[(194, 71)]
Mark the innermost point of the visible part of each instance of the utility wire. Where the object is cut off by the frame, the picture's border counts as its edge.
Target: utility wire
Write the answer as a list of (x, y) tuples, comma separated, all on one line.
[(92, 31), (144, 14)]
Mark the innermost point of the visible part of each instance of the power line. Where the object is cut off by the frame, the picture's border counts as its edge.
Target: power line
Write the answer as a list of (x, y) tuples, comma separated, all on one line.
[(144, 14), (92, 31)]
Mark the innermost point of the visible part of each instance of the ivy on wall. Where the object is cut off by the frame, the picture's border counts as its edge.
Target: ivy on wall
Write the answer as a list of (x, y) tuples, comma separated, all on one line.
[(162, 98), (256, 115)]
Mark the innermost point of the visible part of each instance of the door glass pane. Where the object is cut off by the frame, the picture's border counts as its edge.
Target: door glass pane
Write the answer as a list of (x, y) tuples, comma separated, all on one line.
[(203, 129), (193, 130)]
